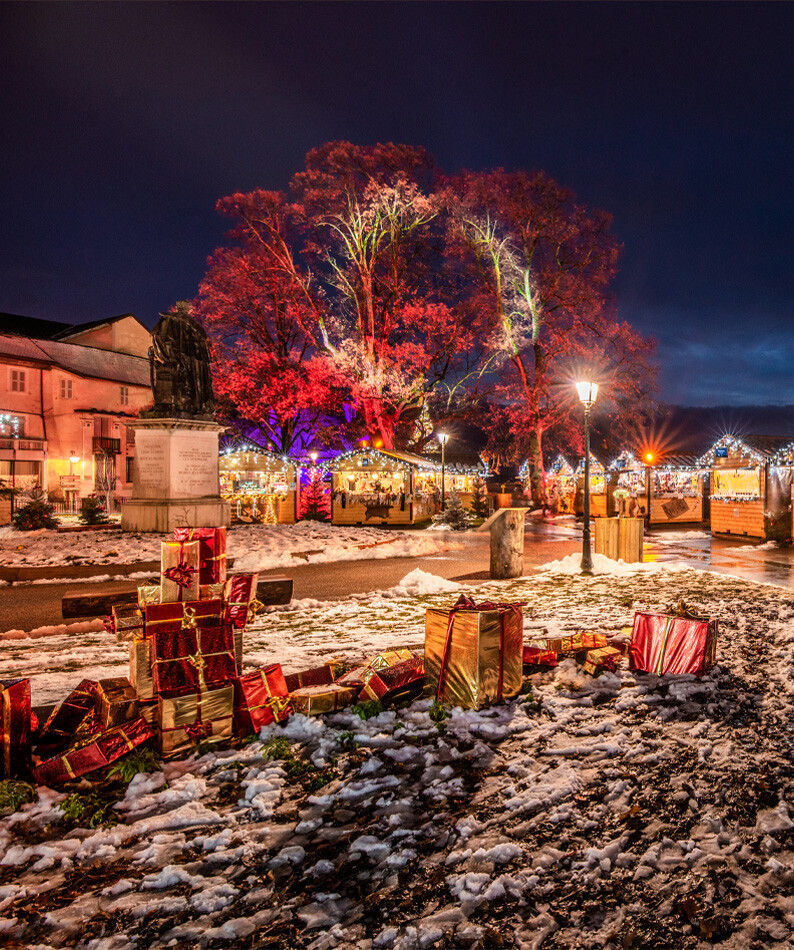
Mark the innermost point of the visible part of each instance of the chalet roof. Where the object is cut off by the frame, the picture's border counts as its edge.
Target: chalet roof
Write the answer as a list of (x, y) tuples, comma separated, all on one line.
[(74, 330), (31, 326), (765, 447), (88, 361)]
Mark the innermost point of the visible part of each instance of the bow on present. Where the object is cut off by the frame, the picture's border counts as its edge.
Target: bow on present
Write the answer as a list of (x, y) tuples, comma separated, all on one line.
[(110, 624), (196, 731), (181, 574), (466, 603), (254, 608), (682, 609)]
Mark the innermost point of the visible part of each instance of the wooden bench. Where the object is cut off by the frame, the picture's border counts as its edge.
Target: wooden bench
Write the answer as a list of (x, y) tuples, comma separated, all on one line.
[(271, 591)]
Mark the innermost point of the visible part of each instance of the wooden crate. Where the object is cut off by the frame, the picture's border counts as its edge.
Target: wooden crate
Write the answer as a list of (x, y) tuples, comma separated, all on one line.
[(620, 539)]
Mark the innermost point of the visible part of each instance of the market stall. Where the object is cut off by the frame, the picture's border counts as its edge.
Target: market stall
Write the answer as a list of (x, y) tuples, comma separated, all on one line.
[(628, 476), (751, 486), (599, 497), (375, 486), (560, 486), (261, 487), (679, 491)]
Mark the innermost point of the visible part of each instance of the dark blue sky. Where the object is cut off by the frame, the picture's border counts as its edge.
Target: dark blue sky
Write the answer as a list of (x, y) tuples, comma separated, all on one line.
[(122, 124)]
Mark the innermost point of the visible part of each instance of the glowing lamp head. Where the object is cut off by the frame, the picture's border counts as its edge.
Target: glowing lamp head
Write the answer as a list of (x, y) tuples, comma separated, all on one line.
[(443, 438), (587, 392), (649, 457), (74, 458), (313, 456)]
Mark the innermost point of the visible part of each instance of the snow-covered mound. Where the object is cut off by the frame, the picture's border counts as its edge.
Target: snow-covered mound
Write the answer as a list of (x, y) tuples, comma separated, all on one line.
[(572, 564)]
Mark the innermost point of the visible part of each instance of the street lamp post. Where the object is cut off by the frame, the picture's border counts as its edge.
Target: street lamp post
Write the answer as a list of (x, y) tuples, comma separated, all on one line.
[(648, 475), (443, 438), (587, 394)]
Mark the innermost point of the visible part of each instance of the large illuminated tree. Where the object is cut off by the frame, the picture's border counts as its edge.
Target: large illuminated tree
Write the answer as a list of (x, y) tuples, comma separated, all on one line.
[(541, 266)]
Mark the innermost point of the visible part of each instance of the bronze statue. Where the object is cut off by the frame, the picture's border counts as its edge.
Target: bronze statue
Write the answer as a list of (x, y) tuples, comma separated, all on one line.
[(179, 366)]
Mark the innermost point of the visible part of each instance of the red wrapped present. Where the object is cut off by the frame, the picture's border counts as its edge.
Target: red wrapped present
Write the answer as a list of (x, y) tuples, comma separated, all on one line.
[(318, 676), (260, 698), (188, 720), (100, 751), (380, 683), (212, 552), (240, 593), (473, 653), (605, 658), (192, 658), (15, 720), (171, 617), (535, 656), (116, 701), (664, 643), (179, 571), (75, 718)]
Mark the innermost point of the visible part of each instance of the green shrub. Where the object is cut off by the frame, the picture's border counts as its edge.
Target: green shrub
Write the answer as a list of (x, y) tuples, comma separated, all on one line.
[(139, 760), (37, 513), (89, 811), (368, 708), (93, 511), (13, 795)]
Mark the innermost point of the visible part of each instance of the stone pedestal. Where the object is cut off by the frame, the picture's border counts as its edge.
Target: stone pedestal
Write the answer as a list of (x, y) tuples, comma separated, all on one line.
[(175, 477)]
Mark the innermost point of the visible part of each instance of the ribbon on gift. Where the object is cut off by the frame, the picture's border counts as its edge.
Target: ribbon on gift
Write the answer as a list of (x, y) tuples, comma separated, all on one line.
[(682, 609), (668, 626), (189, 621), (110, 624), (466, 603), (196, 731), (277, 704), (181, 574), (254, 608)]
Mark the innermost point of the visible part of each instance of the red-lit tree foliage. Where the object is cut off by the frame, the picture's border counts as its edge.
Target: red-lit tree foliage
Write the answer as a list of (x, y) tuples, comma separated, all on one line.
[(339, 293), (540, 267)]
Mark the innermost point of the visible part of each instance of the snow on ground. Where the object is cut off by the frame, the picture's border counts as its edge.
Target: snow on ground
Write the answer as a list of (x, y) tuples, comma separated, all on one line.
[(671, 537), (254, 547), (622, 811)]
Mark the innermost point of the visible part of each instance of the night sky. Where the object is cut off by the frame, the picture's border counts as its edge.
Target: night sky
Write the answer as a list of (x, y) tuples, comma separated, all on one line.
[(122, 124)]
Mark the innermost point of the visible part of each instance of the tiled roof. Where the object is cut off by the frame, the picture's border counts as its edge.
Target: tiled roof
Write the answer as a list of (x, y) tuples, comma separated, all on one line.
[(88, 361)]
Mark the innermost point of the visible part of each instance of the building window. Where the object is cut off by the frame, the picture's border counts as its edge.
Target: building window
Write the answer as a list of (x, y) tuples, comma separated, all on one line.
[(125, 395), (66, 389), (19, 381), (130, 461)]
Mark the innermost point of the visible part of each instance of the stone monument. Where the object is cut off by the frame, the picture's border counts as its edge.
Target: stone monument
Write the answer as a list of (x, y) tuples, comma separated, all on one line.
[(175, 474)]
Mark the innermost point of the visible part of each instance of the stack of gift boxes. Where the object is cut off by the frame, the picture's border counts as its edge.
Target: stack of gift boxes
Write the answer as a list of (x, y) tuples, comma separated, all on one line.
[(186, 688)]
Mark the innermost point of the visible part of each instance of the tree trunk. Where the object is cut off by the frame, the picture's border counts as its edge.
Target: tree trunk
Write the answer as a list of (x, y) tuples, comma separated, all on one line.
[(507, 544)]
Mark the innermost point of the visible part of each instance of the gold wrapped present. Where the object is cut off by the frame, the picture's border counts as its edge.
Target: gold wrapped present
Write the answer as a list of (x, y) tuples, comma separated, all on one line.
[(147, 710), (575, 643), (141, 668), (188, 720), (474, 653), (128, 623), (382, 661), (179, 571), (116, 701), (211, 591), (316, 700), (148, 594), (603, 658)]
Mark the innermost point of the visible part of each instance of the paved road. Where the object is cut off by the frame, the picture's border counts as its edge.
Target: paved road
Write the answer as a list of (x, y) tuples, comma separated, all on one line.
[(29, 606)]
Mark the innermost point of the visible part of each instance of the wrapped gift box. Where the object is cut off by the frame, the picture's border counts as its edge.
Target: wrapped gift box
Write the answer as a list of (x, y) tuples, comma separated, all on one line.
[(578, 642), (260, 698), (382, 683), (172, 617), (535, 656), (316, 700), (192, 658), (179, 571), (353, 678), (238, 648), (605, 658), (184, 721), (100, 751), (148, 594), (128, 623), (382, 661), (75, 718), (664, 643), (141, 668), (147, 710), (15, 719), (240, 592), (211, 591), (318, 676), (474, 653), (212, 551), (117, 702)]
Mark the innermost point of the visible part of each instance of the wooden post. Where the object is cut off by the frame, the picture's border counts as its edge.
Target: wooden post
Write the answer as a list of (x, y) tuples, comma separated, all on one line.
[(507, 543), (620, 539)]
